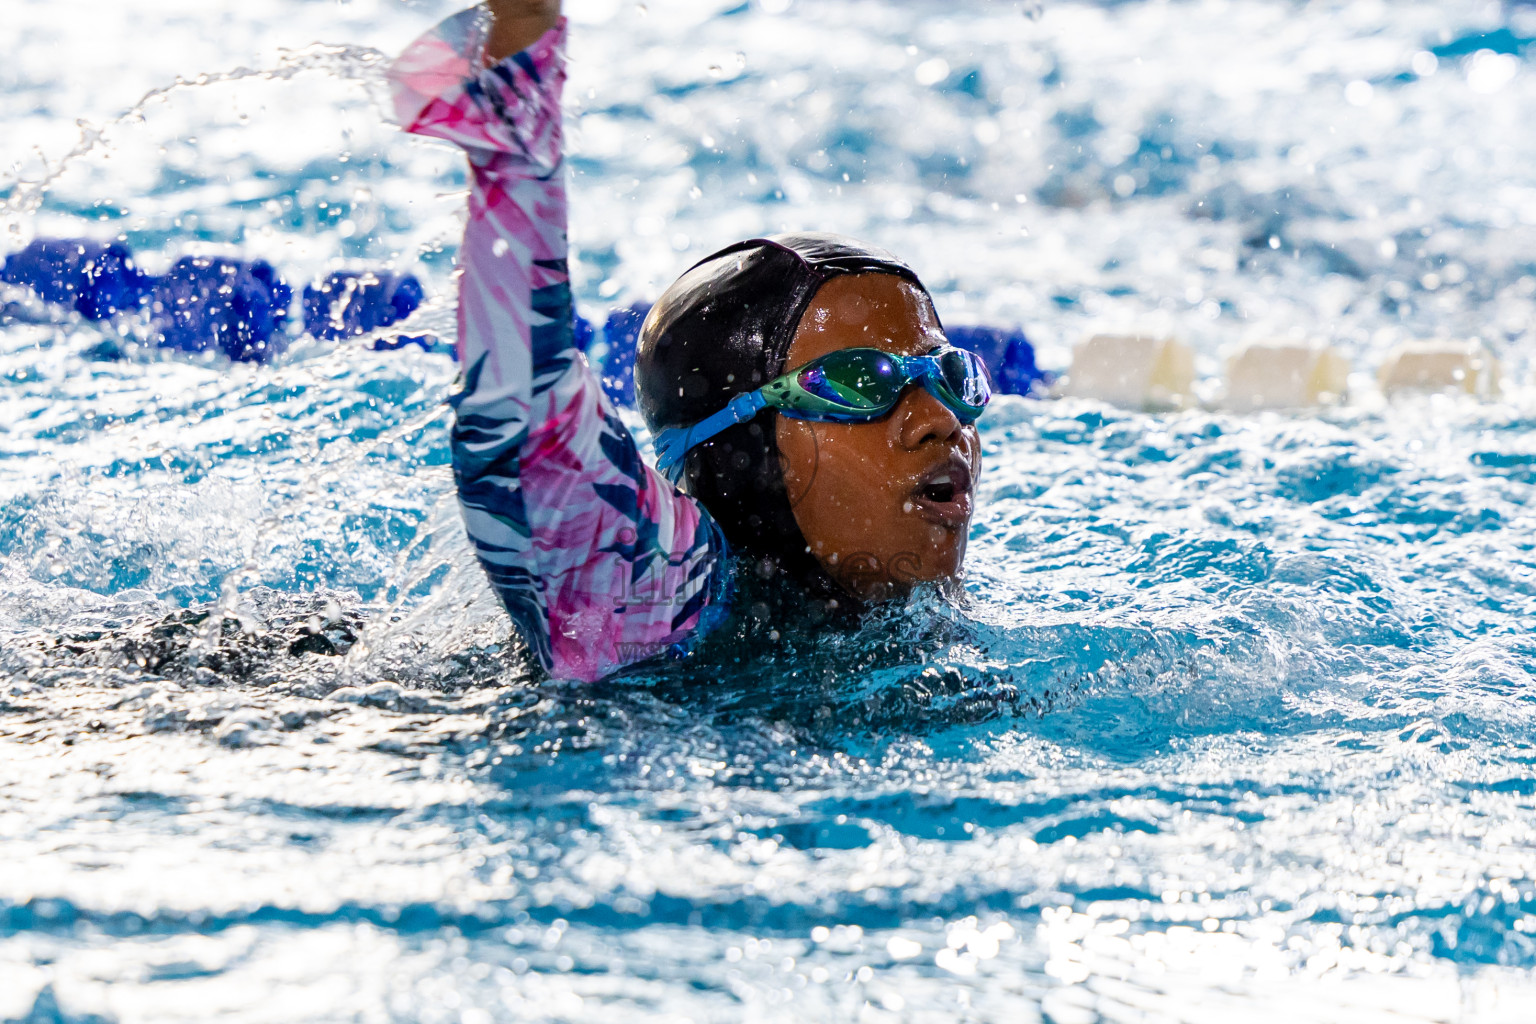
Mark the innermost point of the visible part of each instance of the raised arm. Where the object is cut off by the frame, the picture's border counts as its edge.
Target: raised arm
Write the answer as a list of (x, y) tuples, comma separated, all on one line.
[(598, 560)]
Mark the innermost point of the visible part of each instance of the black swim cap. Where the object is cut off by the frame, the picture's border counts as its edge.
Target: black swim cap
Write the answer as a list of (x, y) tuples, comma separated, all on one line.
[(725, 328)]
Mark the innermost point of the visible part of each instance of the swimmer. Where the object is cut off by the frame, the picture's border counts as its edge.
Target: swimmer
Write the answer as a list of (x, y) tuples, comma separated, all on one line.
[(812, 424)]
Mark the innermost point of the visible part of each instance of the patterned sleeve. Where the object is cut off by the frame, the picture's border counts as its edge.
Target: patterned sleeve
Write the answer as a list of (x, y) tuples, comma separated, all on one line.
[(599, 560)]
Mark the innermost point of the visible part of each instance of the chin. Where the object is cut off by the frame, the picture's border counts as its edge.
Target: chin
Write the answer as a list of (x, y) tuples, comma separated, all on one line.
[(946, 572), (943, 561), (904, 571)]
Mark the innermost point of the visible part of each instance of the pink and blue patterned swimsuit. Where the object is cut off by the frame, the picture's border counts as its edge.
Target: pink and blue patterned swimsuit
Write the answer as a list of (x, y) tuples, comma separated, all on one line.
[(600, 562)]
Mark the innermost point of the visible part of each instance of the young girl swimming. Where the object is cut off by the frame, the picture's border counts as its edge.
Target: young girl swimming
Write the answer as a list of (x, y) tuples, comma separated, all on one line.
[(811, 422)]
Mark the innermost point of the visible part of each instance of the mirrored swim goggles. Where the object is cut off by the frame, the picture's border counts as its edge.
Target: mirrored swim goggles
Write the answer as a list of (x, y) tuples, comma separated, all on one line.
[(851, 385)]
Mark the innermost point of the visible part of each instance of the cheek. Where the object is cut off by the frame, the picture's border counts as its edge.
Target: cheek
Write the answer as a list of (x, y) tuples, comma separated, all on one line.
[(799, 458), (835, 463), (855, 464)]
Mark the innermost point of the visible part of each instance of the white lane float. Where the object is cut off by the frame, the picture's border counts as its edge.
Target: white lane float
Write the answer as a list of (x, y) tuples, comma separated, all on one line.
[(1285, 375), (1466, 367), (1136, 371), (1154, 373)]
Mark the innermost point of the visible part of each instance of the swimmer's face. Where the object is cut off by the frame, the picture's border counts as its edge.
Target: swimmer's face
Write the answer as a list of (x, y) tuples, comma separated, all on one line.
[(884, 504)]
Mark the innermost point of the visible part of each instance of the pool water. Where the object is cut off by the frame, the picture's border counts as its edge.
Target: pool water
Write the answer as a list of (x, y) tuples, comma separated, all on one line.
[(1238, 721)]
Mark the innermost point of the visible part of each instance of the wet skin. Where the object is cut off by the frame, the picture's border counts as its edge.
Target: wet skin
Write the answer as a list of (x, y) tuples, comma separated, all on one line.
[(889, 503), (517, 25)]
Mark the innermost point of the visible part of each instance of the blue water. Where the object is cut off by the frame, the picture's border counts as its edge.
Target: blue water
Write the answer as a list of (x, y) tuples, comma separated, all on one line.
[(1237, 723)]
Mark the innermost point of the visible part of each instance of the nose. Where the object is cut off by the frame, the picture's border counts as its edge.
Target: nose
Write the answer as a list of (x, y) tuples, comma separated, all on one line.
[(922, 419)]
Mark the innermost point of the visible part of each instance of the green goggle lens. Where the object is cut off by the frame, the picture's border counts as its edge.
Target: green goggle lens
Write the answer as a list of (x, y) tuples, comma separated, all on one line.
[(865, 380), (864, 383)]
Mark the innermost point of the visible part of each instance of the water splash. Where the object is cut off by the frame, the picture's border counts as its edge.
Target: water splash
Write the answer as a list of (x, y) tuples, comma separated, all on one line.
[(361, 64)]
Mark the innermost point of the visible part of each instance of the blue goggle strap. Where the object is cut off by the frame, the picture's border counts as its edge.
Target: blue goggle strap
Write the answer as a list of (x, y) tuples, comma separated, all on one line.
[(673, 444)]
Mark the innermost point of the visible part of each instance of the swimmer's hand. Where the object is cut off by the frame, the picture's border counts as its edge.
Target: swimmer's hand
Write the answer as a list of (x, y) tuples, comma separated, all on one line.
[(517, 25)]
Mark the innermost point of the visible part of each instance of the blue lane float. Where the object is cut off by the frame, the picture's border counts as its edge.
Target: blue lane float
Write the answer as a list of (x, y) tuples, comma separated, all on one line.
[(346, 305), (237, 307), (97, 280), (242, 309), (621, 333), (234, 306)]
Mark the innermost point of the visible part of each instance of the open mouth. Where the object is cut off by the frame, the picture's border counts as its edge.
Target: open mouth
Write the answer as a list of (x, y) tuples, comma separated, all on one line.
[(941, 489), (943, 494)]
